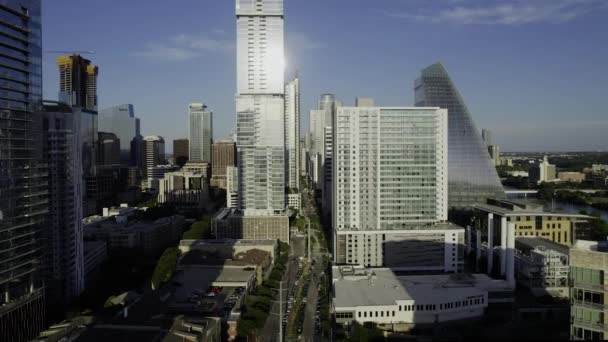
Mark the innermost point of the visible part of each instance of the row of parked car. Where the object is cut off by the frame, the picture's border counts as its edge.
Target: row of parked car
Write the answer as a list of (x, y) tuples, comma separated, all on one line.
[(233, 299), (302, 312), (292, 292), (318, 304)]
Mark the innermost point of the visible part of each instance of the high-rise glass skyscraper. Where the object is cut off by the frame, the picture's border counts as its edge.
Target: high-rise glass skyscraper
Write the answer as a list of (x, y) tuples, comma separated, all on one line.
[(260, 106), (63, 239), (472, 175), (292, 132), (23, 176), (201, 132), (121, 120)]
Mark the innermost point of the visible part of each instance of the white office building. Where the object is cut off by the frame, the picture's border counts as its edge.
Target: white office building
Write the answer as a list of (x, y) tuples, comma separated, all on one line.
[(232, 186), (260, 106), (317, 136), (200, 132), (292, 132), (390, 190), (400, 303)]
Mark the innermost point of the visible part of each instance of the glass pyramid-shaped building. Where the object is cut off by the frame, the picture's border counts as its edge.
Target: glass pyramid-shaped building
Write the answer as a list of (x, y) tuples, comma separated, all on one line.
[(472, 176)]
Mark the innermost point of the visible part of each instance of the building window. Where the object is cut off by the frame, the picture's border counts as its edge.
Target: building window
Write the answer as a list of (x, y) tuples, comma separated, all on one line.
[(344, 315)]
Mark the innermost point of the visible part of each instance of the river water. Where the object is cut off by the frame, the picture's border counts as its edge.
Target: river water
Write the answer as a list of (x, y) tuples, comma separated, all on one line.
[(576, 209)]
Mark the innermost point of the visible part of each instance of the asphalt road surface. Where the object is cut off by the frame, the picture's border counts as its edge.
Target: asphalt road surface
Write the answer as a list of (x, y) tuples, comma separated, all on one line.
[(270, 332)]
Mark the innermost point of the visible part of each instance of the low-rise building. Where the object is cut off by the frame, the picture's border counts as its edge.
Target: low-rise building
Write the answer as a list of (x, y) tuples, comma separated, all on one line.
[(149, 237), (155, 174), (524, 174), (574, 177), (589, 290), (294, 201), (504, 161), (229, 248), (230, 223), (531, 220), (95, 253), (195, 329), (395, 302), (542, 266), (184, 188)]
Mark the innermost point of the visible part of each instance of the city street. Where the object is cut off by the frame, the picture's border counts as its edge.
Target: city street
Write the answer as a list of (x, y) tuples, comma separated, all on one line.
[(310, 330), (297, 248)]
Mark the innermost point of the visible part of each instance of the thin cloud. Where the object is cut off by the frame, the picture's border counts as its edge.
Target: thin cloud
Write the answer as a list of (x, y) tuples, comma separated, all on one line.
[(504, 12), (183, 47)]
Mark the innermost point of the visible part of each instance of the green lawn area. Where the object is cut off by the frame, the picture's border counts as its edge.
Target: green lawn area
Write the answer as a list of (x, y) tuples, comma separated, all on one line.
[(200, 229)]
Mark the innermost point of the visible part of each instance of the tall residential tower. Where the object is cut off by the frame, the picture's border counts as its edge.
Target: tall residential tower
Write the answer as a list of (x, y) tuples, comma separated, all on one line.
[(78, 81), (201, 132), (292, 132), (260, 106), (390, 190)]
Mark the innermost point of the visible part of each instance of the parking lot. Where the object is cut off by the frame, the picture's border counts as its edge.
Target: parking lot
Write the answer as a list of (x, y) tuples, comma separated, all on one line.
[(194, 290)]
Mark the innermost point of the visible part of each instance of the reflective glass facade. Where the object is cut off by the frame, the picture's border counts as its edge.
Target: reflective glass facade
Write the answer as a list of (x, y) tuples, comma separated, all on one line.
[(23, 175), (63, 262), (201, 132), (472, 175), (121, 121)]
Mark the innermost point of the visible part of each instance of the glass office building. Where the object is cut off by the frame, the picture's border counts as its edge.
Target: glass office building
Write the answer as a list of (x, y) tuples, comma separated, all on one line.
[(472, 176), (200, 132), (64, 260), (23, 175), (121, 120)]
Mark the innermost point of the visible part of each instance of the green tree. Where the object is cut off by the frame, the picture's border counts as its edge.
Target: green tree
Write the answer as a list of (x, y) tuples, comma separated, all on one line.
[(364, 333), (165, 267), (199, 230)]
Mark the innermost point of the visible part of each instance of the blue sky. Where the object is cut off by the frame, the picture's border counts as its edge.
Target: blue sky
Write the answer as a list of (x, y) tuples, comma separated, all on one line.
[(533, 71)]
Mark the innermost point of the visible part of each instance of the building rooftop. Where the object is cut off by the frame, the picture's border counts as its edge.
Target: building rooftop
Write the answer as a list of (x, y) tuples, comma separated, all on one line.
[(252, 257), (192, 329), (225, 213), (232, 242), (520, 207), (530, 243), (358, 286), (591, 246)]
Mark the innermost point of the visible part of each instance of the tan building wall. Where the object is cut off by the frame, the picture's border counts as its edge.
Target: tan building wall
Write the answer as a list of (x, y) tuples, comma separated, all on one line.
[(554, 228), (223, 156), (252, 227), (589, 292), (575, 177)]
